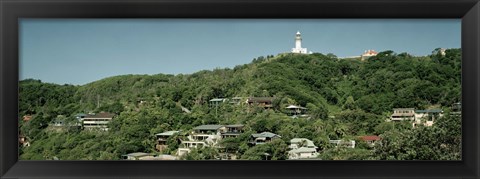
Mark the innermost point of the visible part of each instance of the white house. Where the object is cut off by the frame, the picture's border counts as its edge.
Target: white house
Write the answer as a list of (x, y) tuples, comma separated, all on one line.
[(302, 153), (97, 121), (302, 148), (427, 117)]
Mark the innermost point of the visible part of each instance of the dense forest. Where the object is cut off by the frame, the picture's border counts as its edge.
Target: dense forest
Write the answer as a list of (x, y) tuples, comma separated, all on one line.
[(345, 98)]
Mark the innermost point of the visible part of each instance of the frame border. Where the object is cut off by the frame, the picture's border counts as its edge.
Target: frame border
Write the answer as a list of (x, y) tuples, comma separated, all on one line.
[(12, 10)]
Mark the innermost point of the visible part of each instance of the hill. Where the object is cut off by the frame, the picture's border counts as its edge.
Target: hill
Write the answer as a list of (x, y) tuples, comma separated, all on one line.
[(345, 98)]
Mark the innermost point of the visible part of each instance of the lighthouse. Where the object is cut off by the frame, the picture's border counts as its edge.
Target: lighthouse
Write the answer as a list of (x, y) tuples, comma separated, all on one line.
[(298, 44)]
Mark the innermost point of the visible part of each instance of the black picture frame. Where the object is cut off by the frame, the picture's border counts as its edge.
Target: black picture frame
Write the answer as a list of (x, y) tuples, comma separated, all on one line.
[(12, 10)]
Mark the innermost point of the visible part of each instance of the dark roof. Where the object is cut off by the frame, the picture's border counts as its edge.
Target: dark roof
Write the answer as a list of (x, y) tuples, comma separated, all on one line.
[(260, 99), (208, 127), (234, 125), (100, 115), (81, 115)]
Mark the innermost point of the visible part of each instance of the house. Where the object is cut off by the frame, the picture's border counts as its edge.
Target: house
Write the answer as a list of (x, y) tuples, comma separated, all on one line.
[(235, 100), (136, 156), (61, 123), (265, 102), (97, 121), (27, 117), (216, 101), (295, 110), (58, 122), (400, 114), (368, 53), (209, 133), (302, 153), (427, 116), (371, 140), (456, 109), (263, 137), (343, 143), (302, 148), (232, 130), (186, 146), (162, 139), (23, 141), (296, 143)]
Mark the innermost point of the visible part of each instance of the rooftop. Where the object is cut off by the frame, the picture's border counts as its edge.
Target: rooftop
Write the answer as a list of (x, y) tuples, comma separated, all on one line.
[(234, 125), (295, 107), (370, 138), (167, 133), (217, 100), (208, 127), (429, 111), (265, 134), (299, 140), (101, 115)]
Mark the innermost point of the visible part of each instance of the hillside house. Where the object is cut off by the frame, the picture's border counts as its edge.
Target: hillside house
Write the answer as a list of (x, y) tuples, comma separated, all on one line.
[(186, 146), (22, 140), (302, 153), (371, 140), (294, 110), (400, 114), (456, 109), (235, 100), (232, 130), (216, 102), (97, 121), (427, 117), (27, 117), (296, 143), (162, 139), (263, 138), (368, 53), (265, 102), (209, 133)]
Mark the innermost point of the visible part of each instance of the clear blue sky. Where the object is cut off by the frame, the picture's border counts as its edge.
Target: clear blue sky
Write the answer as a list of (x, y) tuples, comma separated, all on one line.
[(79, 51)]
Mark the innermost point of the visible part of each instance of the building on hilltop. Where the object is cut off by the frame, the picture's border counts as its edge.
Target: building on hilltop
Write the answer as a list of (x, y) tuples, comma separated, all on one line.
[(298, 44), (368, 53)]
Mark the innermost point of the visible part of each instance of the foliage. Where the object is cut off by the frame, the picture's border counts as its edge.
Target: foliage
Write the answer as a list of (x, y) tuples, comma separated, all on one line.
[(345, 98)]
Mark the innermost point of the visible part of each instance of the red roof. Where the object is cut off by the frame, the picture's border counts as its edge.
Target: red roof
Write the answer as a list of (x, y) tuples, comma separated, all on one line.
[(370, 138)]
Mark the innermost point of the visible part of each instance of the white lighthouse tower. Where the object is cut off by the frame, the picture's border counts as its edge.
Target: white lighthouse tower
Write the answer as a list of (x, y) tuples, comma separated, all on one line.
[(298, 44)]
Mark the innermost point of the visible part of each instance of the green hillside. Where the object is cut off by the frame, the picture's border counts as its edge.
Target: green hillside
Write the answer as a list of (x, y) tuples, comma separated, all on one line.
[(345, 98)]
